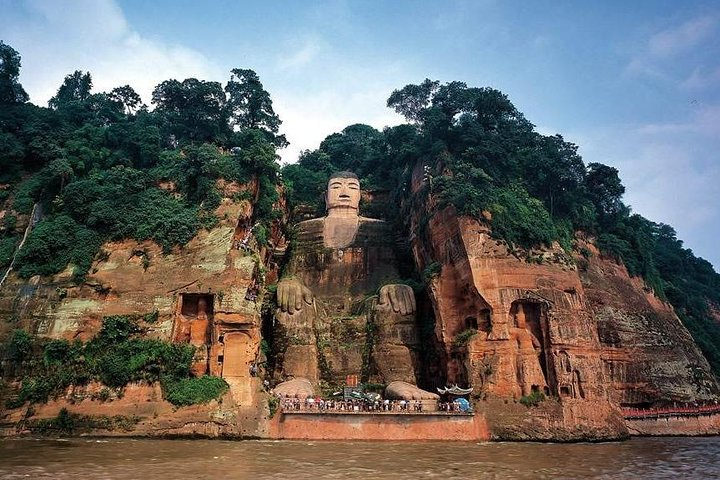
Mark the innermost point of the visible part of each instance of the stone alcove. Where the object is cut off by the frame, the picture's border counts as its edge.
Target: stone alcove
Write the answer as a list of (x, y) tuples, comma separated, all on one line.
[(238, 354), (193, 324), (535, 366), (194, 311)]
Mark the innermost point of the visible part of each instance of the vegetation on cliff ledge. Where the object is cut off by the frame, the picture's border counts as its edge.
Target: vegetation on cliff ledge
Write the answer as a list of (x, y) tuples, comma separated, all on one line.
[(116, 356)]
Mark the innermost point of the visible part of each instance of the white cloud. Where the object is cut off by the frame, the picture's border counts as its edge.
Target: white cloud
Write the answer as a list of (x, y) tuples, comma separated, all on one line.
[(681, 38), (670, 49), (308, 119), (705, 120), (701, 79), (666, 183), (670, 173), (309, 49), (90, 19), (644, 66), (56, 38)]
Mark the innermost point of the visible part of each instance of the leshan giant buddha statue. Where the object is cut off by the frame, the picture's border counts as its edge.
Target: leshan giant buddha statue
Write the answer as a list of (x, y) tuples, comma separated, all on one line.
[(329, 323)]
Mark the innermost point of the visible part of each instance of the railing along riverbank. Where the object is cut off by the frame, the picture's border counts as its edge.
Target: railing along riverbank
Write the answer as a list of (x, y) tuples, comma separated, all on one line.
[(675, 411)]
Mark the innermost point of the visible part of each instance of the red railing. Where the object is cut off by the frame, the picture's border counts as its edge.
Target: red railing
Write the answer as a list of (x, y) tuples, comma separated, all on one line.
[(674, 411)]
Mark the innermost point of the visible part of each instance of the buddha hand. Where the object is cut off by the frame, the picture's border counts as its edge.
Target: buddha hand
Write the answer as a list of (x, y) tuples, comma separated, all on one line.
[(292, 295), (399, 297)]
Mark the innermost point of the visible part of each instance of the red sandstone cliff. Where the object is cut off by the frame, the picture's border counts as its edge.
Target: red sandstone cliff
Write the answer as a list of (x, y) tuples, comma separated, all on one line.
[(222, 268), (578, 330), (590, 338)]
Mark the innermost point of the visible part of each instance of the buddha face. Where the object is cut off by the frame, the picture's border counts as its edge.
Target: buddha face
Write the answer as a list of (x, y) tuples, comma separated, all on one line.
[(343, 193)]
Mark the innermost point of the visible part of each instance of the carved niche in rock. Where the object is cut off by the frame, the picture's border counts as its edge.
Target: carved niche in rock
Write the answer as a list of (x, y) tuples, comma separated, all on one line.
[(193, 324), (530, 336), (329, 325)]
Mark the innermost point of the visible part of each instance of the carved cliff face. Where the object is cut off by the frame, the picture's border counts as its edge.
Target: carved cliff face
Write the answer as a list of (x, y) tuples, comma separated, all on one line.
[(343, 194)]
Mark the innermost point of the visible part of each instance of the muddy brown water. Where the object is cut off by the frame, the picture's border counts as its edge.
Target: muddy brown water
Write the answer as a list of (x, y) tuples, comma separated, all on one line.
[(651, 458)]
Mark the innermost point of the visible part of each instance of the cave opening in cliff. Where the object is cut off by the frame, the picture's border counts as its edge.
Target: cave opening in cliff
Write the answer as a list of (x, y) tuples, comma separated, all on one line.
[(192, 304), (267, 336), (484, 320), (193, 323)]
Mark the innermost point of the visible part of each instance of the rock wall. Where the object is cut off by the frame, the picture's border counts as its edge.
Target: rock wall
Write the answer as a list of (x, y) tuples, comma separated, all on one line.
[(518, 324), (675, 426), (647, 354), (551, 344), (208, 293)]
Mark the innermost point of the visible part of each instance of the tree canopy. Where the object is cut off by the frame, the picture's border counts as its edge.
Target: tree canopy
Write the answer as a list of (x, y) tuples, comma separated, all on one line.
[(10, 89), (96, 163), (99, 164)]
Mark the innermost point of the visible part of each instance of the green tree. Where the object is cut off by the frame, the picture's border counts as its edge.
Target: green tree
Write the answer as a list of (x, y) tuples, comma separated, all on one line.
[(10, 89), (12, 152), (356, 148), (127, 97), (192, 110), (75, 88), (605, 191), (250, 105), (306, 180), (558, 173), (412, 101), (54, 243)]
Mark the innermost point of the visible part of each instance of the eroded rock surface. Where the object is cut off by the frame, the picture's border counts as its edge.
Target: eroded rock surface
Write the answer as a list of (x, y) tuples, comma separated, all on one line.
[(532, 327)]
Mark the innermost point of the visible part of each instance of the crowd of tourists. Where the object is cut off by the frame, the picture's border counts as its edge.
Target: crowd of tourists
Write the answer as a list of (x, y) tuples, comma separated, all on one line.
[(459, 407), (358, 405), (351, 405)]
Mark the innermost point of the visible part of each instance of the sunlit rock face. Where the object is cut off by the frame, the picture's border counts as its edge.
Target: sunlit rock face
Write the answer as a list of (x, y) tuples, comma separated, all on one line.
[(578, 330), (207, 294), (648, 356), (202, 294), (509, 327)]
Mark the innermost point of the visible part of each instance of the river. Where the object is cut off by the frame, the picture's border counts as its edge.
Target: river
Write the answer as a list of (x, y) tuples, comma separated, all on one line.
[(86, 458)]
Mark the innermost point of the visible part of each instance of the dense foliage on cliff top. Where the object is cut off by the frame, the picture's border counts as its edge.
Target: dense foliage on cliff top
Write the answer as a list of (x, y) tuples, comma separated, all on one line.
[(116, 356), (480, 154), (101, 166)]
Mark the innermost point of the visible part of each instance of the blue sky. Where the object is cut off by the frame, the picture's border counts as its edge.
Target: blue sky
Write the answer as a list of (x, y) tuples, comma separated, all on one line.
[(635, 84)]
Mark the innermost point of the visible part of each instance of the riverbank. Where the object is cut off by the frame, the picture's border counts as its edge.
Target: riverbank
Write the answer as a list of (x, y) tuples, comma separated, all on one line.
[(249, 414)]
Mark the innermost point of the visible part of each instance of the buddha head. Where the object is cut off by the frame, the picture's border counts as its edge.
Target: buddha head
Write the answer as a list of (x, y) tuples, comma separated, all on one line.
[(343, 192)]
